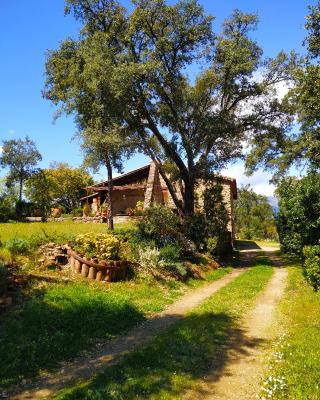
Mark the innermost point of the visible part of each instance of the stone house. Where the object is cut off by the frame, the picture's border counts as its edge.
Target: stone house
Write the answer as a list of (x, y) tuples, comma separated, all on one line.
[(145, 184)]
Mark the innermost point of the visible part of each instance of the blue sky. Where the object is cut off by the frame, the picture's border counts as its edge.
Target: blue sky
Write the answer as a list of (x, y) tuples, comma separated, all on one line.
[(28, 28)]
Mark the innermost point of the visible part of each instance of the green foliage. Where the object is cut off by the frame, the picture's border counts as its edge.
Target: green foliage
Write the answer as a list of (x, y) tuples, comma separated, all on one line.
[(299, 209), (20, 156), (77, 212), (160, 224), (127, 76), (171, 252), (17, 246), (194, 227), (59, 185), (312, 265), (104, 246), (254, 216), (86, 209), (208, 228), (7, 209), (298, 144)]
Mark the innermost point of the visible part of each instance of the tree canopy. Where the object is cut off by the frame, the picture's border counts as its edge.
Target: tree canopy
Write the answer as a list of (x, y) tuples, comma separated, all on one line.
[(20, 156), (134, 67), (299, 145), (254, 216), (299, 209), (60, 185)]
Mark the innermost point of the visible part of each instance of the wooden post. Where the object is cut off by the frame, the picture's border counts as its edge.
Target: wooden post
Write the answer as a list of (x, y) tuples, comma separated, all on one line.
[(100, 275), (77, 266), (84, 270), (92, 273)]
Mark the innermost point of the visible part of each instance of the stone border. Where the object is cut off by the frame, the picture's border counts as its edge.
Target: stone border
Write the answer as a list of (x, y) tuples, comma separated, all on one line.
[(110, 271)]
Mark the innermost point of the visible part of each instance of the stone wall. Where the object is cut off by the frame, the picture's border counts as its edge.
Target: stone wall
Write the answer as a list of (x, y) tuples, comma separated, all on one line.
[(123, 199)]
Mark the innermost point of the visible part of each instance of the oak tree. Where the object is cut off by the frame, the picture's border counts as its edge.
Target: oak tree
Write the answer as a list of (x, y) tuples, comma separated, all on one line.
[(182, 93)]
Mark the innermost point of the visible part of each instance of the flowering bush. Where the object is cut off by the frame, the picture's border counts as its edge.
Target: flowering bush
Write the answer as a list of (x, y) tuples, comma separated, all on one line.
[(105, 246)]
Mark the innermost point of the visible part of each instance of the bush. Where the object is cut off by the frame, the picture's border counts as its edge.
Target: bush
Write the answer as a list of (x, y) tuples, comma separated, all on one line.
[(149, 259), (194, 228), (312, 265), (171, 253), (24, 209), (298, 219), (17, 246), (105, 246), (175, 268), (160, 224), (154, 261), (7, 210), (77, 212), (86, 209)]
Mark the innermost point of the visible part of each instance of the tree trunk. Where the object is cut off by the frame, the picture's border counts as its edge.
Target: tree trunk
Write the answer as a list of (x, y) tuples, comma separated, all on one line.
[(188, 197), (109, 194), (20, 188)]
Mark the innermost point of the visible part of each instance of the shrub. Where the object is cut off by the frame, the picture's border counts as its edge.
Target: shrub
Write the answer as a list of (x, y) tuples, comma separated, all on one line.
[(175, 268), (77, 212), (102, 245), (160, 224), (194, 228), (312, 265), (298, 219), (17, 246), (86, 209), (149, 259), (220, 244), (7, 210), (171, 253), (24, 209)]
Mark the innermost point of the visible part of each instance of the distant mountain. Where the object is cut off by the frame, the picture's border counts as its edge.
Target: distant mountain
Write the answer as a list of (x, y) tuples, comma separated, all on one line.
[(274, 203)]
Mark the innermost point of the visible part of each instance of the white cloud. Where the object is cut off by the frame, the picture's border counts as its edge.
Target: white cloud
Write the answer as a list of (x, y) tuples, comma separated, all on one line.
[(259, 181), (0, 149)]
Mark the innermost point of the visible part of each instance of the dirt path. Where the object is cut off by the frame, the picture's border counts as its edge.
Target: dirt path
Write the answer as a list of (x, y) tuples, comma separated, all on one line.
[(84, 367), (241, 376)]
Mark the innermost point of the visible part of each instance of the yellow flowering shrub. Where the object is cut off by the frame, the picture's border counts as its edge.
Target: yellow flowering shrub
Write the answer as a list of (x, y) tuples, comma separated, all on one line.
[(104, 246)]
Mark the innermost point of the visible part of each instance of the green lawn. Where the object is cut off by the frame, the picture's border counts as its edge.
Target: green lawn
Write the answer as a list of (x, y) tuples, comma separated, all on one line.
[(174, 360), (50, 229), (295, 359), (54, 322)]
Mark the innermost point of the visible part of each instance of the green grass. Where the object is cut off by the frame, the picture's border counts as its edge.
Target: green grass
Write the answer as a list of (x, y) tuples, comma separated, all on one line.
[(64, 229), (174, 360), (295, 360), (54, 322)]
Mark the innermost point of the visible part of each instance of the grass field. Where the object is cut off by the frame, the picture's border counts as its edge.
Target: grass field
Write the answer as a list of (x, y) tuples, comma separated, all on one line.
[(64, 229), (53, 322), (172, 363), (295, 359)]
